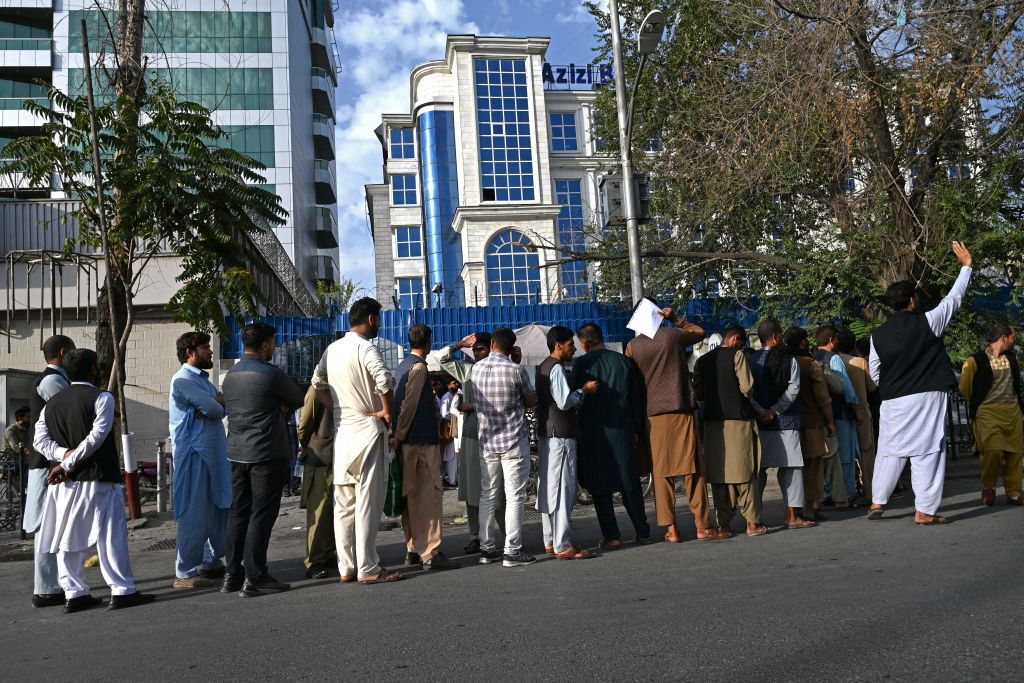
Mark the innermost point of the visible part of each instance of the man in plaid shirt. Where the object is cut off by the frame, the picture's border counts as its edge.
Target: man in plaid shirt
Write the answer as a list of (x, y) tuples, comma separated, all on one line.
[(503, 393)]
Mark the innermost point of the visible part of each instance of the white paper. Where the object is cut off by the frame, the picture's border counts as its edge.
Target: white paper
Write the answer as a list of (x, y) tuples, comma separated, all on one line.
[(646, 318)]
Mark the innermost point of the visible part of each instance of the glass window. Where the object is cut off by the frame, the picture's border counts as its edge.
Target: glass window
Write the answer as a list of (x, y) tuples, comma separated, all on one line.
[(571, 238), (563, 131), (504, 132), (214, 88), (407, 241), (173, 31), (410, 293), (513, 274), (401, 144), (403, 189)]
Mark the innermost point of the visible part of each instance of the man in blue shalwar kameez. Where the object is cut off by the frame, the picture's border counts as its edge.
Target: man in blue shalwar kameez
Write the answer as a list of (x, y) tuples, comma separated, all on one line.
[(202, 475)]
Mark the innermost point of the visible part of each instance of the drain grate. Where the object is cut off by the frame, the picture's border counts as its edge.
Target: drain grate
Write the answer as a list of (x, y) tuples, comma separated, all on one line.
[(169, 544)]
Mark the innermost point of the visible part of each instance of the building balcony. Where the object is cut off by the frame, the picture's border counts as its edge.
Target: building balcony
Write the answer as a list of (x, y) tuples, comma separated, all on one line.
[(323, 179), (323, 136), (325, 227), (323, 52), (26, 52), (325, 268), (323, 92)]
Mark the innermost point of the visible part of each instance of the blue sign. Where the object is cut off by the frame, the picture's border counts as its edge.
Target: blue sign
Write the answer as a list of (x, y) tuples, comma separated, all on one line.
[(559, 76)]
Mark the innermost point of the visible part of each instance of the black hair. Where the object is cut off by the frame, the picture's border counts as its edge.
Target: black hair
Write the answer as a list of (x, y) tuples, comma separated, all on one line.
[(793, 338), (900, 293), (483, 338), (190, 340), (864, 346), (504, 339), (52, 347), (558, 334), (996, 330), (824, 334), (732, 330), (23, 410), (846, 341), (420, 336), (79, 364), (590, 333), (254, 334), (362, 310), (768, 328)]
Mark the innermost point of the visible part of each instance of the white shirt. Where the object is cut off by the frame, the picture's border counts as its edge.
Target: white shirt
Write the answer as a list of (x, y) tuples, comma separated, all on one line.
[(101, 427), (916, 424)]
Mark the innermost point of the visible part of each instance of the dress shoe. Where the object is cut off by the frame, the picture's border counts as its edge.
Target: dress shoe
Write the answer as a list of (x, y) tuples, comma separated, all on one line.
[(473, 548), (133, 600), (988, 497), (198, 581), (232, 584), (51, 600), (262, 586), (215, 573), (412, 559), (439, 562), (80, 603)]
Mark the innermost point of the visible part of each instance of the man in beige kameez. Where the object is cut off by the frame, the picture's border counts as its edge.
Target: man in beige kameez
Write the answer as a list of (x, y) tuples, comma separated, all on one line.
[(860, 377), (723, 380), (353, 371)]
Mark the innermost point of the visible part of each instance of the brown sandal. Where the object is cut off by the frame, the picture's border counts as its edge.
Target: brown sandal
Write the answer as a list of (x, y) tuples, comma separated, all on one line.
[(348, 579), (574, 553), (935, 519), (762, 530), (801, 524), (384, 576), (713, 534)]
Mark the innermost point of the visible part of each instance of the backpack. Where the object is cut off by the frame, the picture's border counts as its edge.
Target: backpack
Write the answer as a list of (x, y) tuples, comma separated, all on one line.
[(836, 387)]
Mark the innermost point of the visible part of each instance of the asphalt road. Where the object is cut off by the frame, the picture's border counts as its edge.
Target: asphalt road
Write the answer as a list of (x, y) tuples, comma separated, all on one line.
[(850, 600)]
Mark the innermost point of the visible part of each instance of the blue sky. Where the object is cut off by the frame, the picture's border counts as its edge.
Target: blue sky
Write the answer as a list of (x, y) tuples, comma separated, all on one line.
[(380, 42)]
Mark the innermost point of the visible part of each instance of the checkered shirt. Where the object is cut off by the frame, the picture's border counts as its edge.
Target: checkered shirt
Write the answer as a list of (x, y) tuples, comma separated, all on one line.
[(500, 387)]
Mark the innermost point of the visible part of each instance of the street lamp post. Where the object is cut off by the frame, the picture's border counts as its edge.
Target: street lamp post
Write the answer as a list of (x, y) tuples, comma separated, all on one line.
[(650, 33)]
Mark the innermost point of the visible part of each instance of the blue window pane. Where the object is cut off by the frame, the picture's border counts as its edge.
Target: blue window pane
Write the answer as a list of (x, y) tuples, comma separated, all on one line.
[(513, 276), (408, 242), (403, 189), (410, 293), (501, 102), (402, 144)]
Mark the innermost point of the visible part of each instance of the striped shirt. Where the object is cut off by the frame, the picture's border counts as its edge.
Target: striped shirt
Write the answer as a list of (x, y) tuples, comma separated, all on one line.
[(500, 386)]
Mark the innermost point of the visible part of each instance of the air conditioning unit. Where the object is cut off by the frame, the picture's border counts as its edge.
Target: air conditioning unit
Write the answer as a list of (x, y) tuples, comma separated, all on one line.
[(610, 191)]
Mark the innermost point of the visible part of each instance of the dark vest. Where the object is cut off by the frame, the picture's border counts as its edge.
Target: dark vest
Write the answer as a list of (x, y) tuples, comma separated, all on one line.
[(722, 397), (552, 420), (69, 419), (913, 360), (983, 381), (767, 395), (319, 450), (36, 404), (424, 427)]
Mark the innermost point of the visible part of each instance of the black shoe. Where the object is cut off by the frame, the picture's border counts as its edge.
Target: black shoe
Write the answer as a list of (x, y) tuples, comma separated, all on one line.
[(473, 548), (644, 541), (136, 598), (80, 603), (232, 583), (412, 559), (51, 600), (488, 556), (519, 559), (439, 562), (262, 586), (216, 573)]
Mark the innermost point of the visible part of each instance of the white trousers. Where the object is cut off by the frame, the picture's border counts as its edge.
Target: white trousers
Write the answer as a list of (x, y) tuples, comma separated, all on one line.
[(111, 546), (513, 468), (791, 481), (451, 462), (357, 510), (927, 475), (556, 490)]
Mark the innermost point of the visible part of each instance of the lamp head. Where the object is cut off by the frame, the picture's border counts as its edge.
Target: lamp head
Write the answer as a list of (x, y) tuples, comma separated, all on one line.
[(651, 31)]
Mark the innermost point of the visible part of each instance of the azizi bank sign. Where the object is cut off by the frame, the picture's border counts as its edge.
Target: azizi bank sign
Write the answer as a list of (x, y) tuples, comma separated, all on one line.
[(575, 76)]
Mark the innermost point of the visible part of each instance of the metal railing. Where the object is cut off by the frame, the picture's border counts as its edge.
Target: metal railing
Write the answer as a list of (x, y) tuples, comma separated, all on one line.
[(12, 488)]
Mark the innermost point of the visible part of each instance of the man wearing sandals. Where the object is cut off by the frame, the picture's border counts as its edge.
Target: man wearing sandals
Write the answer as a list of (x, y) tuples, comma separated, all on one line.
[(722, 379), (910, 365), (776, 388), (558, 427)]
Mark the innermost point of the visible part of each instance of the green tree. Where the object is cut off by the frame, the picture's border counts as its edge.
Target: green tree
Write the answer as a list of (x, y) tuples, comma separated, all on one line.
[(335, 297)]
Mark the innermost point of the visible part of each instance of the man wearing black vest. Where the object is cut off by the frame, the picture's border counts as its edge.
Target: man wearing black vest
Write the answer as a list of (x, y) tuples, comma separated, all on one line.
[(910, 365), (418, 443), (47, 591), (558, 428), (991, 384), (85, 503)]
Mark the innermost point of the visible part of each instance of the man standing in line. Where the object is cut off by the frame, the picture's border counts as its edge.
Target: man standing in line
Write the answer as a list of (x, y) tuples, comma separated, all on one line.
[(503, 393), (841, 473), (860, 378), (202, 475), (450, 464), (910, 365), (316, 439), (258, 396), (16, 434), (471, 457), (612, 419), (722, 379), (815, 420), (417, 443), (776, 389), (47, 591), (85, 502), (991, 384), (672, 425), (360, 386), (558, 428)]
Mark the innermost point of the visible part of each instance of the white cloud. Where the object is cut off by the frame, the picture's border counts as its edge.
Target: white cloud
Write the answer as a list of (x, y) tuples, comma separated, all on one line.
[(379, 43), (578, 14)]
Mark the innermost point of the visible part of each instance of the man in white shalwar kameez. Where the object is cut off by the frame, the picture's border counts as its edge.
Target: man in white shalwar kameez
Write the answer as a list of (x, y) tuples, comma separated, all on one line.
[(360, 385), (84, 502), (910, 365)]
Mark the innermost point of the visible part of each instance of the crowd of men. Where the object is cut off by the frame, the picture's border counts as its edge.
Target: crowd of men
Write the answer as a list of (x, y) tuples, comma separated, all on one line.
[(837, 418)]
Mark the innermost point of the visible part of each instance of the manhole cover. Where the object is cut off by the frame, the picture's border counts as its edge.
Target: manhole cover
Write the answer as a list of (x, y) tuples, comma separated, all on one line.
[(169, 544)]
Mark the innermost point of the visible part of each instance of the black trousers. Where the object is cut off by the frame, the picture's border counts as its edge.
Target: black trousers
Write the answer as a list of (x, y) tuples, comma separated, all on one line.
[(633, 501), (256, 490)]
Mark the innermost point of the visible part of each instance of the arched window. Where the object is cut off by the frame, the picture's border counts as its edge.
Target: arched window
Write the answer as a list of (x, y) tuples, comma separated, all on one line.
[(513, 276)]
